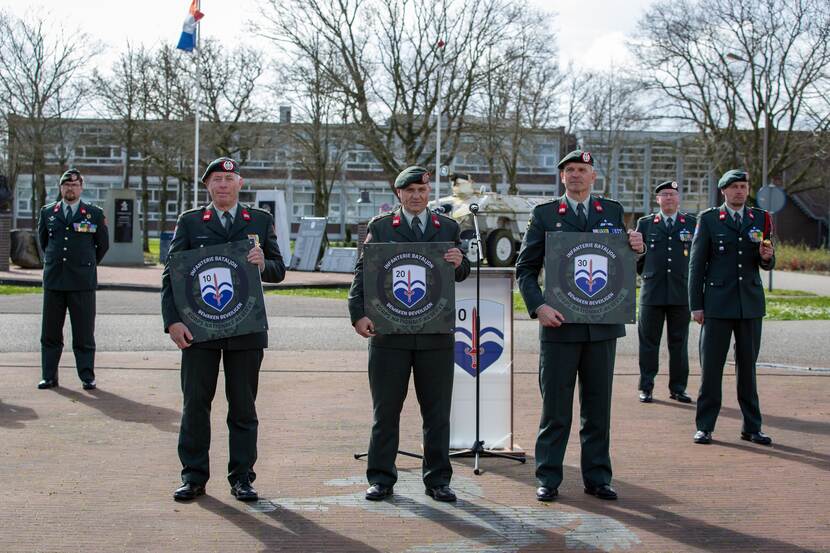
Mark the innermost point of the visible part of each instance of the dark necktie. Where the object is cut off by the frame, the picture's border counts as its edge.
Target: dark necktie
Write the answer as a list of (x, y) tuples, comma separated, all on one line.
[(580, 216), (228, 221), (669, 224), (738, 219), (68, 213), (416, 228)]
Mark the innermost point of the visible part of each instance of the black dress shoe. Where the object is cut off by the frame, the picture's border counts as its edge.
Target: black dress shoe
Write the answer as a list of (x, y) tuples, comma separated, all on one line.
[(703, 437), (645, 396), (441, 493), (682, 397), (602, 492), (756, 438), (243, 491), (90, 384), (546, 494), (188, 491), (376, 492), (47, 383)]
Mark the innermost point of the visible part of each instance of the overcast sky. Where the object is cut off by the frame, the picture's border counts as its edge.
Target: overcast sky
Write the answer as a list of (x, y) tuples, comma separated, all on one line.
[(591, 33)]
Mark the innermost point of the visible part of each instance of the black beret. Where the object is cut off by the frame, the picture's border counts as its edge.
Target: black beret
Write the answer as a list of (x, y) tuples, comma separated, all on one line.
[(410, 175), (577, 156), (668, 185), (222, 164), (734, 175), (71, 175)]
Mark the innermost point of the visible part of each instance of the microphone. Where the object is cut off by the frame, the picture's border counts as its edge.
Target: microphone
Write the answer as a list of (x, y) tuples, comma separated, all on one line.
[(473, 208)]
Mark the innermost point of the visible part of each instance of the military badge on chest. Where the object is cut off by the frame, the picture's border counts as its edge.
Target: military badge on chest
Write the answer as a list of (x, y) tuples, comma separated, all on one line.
[(756, 235)]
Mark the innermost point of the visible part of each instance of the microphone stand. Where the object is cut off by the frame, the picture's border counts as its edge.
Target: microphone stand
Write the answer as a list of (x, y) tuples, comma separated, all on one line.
[(477, 450)]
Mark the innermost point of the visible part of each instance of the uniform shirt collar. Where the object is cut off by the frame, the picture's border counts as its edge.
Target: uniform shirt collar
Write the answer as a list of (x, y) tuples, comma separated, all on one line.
[(220, 212), (573, 203), (409, 216), (74, 205), (666, 218), (732, 211)]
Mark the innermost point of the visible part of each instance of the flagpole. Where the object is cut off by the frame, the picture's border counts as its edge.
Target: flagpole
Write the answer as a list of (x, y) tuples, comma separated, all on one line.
[(196, 110), (438, 125)]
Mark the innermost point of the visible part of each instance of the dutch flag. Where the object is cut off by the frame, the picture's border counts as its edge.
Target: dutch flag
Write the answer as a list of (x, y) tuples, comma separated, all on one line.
[(188, 39)]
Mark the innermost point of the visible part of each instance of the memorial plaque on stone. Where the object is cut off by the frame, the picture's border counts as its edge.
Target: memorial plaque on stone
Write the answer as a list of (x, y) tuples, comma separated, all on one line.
[(123, 227), (409, 288), (339, 260), (589, 277), (308, 242), (218, 293)]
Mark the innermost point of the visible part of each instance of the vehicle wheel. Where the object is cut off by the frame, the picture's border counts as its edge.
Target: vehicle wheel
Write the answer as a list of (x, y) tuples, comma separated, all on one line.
[(501, 249)]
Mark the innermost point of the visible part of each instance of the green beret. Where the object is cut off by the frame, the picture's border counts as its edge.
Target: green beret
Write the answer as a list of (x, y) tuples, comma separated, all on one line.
[(668, 185), (222, 164), (577, 156), (410, 175), (735, 175), (71, 175)]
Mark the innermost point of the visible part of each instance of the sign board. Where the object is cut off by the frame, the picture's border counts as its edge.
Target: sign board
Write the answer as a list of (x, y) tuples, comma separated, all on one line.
[(409, 288), (274, 202), (772, 198), (308, 242), (218, 293), (339, 260), (123, 221), (589, 277), (495, 362)]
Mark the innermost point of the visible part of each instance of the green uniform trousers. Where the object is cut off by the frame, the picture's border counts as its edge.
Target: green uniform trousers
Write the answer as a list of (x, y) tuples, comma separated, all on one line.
[(650, 330), (81, 305), (715, 337), (560, 363), (200, 370), (388, 381)]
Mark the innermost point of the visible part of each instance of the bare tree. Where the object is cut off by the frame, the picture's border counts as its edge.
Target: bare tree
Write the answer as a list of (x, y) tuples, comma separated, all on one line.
[(41, 82), (733, 67), (389, 66)]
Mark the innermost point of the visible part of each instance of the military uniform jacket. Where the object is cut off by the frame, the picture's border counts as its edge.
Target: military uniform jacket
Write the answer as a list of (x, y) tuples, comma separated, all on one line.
[(393, 227), (665, 265), (200, 228), (603, 215), (724, 280), (72, 249)]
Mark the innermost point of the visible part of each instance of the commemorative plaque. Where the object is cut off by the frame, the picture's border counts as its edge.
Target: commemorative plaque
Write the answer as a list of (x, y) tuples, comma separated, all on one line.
[(589, 277), (409, 288), (218, 293)]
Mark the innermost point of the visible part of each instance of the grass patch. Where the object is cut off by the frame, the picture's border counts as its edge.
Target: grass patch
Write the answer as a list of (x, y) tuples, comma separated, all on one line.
[(325, 293), (790, 257), (11, 290)]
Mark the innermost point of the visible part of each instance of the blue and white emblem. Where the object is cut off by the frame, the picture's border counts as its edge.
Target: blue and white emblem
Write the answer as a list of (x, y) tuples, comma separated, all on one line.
[(409, 284), (591, 273), (492, 335), (216, 286)]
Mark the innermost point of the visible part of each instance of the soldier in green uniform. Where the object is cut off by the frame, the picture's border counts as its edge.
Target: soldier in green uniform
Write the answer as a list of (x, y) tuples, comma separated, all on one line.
[(664, 294), (223, 220), (74, 239), (392, 357), (571, 350), (726, 297)]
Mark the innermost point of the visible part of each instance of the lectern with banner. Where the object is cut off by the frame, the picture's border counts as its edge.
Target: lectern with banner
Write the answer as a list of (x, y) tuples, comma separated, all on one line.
[(495, 357), (589, 277), (217, 292)]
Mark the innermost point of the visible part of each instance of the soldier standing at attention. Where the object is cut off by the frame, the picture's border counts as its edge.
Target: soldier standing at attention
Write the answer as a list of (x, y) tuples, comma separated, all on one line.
[(392, 357), (570, 350), (224, 220), (74, 239), (726, 297), (664, 294)]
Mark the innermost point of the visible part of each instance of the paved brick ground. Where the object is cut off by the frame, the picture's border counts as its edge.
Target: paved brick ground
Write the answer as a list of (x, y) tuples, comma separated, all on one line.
[(93, 471)]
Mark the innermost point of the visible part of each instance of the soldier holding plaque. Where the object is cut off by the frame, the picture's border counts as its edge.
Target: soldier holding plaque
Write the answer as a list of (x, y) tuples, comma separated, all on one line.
[(393, 356), (726, 297), (223, 221), (570, 350)]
